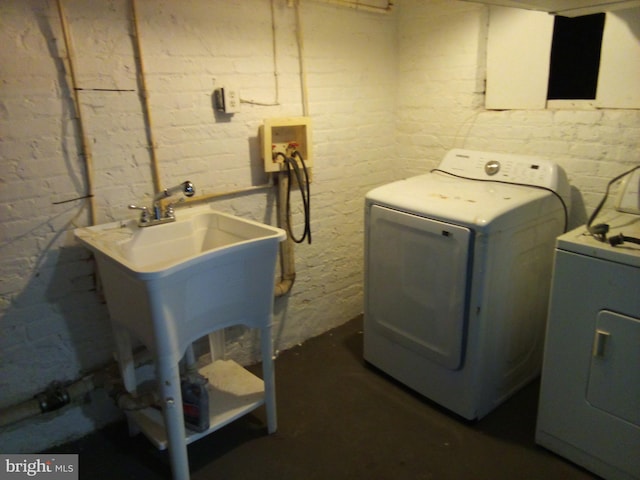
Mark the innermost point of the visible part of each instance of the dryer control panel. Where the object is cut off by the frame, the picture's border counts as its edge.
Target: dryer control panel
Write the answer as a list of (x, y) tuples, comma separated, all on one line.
[(523, 169), (507, 168)]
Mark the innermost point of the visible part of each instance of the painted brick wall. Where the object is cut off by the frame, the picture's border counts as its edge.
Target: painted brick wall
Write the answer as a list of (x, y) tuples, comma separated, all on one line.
[(441, 47), (53, 325), (388, 94)]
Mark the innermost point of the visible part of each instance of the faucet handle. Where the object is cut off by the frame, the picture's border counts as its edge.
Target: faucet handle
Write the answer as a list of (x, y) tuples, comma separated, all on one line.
[(144, 216), (170, 211)]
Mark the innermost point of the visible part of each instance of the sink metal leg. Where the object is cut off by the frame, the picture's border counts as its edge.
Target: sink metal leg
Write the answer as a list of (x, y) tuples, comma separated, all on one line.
[(169, 378), (268, 376)]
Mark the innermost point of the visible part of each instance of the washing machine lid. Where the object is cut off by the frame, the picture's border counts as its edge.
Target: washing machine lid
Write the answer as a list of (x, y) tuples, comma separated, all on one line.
[(481, 205), (580, 241)]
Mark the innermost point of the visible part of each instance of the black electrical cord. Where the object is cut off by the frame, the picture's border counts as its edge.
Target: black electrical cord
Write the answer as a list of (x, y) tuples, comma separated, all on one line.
[(599, 231), (303, 182), (491, 180), (305, 193), (618, 239)]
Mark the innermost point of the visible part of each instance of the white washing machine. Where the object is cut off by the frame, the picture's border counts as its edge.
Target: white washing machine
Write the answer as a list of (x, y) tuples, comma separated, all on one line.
[(457, 272), (589, 410)]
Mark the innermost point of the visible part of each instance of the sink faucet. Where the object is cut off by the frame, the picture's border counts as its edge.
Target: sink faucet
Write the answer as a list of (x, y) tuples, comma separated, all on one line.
[(155, 215)]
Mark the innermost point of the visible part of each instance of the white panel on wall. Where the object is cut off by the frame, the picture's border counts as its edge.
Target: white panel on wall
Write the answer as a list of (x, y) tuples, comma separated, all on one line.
[(518, 52), (619, 76)]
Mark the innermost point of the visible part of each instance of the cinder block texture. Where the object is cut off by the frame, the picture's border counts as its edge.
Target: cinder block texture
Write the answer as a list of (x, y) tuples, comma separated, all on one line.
[(388, 95)]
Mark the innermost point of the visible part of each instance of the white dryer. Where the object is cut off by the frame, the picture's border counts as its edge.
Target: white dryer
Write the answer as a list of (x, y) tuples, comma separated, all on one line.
[(457, 273)]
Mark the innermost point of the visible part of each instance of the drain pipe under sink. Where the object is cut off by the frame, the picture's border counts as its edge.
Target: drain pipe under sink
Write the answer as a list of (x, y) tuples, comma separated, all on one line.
[(287, 259), (58, 394)]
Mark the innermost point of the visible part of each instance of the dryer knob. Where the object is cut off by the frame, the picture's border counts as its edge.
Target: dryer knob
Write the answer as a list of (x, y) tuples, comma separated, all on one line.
[(492, 167)]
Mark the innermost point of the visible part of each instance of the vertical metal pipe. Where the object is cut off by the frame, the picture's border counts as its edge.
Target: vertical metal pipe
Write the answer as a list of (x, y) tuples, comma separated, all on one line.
[(144, 94), (84, 141), (276, 74), (303, 68), (287, 258)]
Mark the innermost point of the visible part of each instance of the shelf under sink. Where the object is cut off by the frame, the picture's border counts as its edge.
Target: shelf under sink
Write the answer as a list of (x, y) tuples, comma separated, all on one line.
[(233, 392)]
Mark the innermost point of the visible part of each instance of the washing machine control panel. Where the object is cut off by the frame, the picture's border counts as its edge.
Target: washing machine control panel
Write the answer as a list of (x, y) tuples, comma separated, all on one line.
[(509, 168), (492, 167)]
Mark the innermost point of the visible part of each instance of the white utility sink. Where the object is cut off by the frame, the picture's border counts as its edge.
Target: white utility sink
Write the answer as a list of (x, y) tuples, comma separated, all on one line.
[(205, 267), (168, 285), (162, 249)]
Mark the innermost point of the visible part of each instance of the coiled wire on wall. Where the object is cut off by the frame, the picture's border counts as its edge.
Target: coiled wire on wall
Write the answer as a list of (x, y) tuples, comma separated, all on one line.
[(302, 177)]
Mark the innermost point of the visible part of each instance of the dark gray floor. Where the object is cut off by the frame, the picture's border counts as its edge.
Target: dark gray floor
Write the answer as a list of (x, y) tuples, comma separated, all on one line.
[(342, 419)]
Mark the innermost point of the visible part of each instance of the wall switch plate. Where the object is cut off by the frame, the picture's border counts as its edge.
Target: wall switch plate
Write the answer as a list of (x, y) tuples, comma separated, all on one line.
[(629, 198), (227, 100)]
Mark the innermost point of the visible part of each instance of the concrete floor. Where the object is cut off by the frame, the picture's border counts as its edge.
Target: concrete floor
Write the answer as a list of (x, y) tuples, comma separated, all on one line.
[(342, 419)]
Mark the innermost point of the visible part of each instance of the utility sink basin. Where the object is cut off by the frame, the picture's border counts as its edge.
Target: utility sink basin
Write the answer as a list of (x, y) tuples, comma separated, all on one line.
[(170, 284), (162, 249)]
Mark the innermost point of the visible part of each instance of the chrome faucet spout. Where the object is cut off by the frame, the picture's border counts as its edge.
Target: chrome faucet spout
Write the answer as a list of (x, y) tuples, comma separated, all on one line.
[(156, 215), (186, 188)]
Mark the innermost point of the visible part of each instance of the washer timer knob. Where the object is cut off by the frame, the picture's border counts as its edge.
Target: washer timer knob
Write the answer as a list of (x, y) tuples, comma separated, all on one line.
[(492, 167)]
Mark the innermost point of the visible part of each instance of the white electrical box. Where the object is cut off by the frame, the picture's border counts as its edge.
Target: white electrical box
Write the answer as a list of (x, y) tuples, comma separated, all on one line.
[(227, 100), (283, 136)]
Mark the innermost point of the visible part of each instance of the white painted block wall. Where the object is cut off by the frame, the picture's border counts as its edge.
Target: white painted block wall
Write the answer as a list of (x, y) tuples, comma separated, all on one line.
[(388, 94), (53, 325), (441, 68)]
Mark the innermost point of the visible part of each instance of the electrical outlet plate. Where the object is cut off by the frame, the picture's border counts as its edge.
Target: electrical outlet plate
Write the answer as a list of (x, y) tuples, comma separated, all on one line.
[(227, 100), (278, 133), (629, 198)]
